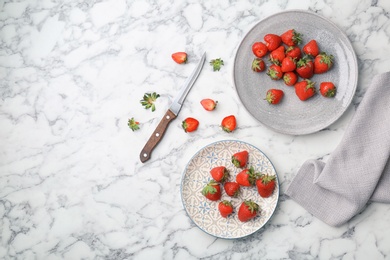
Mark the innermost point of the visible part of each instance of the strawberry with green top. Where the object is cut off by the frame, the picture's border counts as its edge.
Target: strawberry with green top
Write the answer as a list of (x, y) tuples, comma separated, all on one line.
[(290, 78), (247, 177), (149, 99), (219, 173), (327, 89), (225, 208), (305, 67), (294, 52), (322, 63), (258, 65), (212, 191), (248, 210), (240, 159), (216, 64), (229, 123), (275, 72), (276, 56), (274, 96), (288, 64), (190, 124), (305, 89), (134, 125), (291, 37), (266, 185)]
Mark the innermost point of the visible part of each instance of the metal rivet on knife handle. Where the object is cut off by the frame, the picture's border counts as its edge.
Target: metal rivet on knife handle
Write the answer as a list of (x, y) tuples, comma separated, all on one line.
[(156, 136)]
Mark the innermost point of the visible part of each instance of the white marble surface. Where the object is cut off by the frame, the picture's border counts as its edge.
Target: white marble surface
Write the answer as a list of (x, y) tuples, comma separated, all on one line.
[(71, 184)]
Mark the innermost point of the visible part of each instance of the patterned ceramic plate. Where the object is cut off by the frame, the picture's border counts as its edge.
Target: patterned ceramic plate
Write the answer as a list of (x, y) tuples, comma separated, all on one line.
[(293, 116), (204, 213)]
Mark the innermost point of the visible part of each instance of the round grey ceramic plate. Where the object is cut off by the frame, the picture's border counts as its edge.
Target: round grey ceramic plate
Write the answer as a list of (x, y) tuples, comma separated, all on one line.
[(204, 213), (293, 116)]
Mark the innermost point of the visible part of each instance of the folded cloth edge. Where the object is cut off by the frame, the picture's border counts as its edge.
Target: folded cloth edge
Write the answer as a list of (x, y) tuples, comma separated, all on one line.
[(306, 187)]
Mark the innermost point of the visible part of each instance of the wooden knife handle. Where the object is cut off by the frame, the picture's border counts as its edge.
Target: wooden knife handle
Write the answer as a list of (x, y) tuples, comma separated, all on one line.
[(157, 135)]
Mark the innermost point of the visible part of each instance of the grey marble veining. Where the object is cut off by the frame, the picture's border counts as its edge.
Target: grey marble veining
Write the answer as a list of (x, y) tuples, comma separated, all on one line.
[(71, 184)]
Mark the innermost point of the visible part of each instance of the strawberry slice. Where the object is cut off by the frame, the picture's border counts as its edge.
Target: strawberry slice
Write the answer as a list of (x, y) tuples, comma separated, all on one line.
[(209, 104), (179, 57)]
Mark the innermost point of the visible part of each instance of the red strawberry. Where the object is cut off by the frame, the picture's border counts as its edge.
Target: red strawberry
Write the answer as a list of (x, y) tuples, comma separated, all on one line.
[(305, 68), (219, 173), (291, 38), (305, 89), (229, 123), (276, 56), (179, 57), (240, 159), (212, 191), (274, 96), (322, 63), (225, 208), (246, 177), (266, 185), (259, 49), (327, 89), (288, 64), (208, 104), (294, 52), (290, 78), (272, 41), (232, 188), (258, 65), (311, 48), (275, 72), (190, 124), (247, 210)]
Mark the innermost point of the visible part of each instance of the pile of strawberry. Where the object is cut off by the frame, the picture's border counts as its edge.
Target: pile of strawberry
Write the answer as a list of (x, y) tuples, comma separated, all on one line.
[(246, 178), (291, 63)]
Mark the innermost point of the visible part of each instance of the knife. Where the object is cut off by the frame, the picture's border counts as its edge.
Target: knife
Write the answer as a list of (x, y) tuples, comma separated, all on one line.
[(172, 112)]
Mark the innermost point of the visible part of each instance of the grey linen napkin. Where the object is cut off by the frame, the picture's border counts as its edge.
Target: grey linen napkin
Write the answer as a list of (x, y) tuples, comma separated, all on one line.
[(358, 171)]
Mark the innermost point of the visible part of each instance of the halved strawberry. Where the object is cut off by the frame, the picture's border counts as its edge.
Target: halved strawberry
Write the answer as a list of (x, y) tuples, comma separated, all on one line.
[(209, 104), (229, 123), (179, 57)]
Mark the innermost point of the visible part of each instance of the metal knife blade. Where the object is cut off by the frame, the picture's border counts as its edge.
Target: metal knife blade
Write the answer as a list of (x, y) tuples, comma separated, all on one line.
[(171, 113)]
